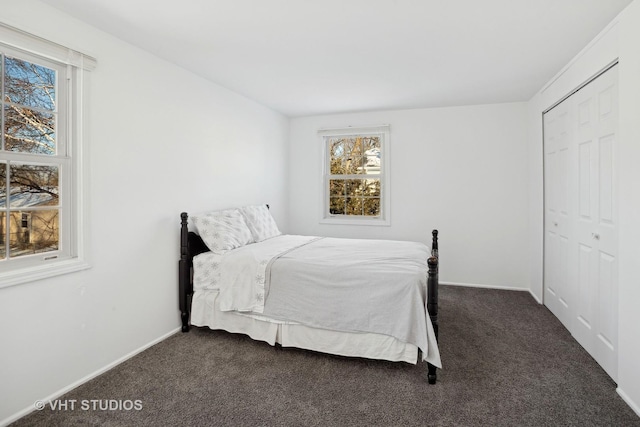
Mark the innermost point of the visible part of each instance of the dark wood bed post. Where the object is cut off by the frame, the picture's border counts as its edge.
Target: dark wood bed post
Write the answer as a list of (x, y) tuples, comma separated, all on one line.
[(434, 243), (432, 296), (184, 273)]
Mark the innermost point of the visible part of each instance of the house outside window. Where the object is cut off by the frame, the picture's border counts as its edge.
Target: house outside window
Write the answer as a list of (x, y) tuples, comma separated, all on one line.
[(41, 152), (356, 189)]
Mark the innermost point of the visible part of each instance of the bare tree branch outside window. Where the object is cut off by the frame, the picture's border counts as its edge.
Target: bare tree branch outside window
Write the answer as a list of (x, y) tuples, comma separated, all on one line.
[(354, 184), (29, 191)]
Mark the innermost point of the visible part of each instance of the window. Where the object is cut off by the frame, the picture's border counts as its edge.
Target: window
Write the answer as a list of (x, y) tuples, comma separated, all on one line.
[(356, 176), (41, 203)]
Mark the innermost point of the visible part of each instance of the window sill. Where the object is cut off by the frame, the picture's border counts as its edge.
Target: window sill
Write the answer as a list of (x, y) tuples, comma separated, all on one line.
[(31, 274), (355, 221)]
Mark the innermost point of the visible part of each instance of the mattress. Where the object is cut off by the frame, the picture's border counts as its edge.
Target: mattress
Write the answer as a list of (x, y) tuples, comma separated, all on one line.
[(352, 297)]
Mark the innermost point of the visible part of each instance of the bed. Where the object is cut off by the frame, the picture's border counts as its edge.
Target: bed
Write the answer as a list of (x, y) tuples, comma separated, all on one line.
[(375, 299)]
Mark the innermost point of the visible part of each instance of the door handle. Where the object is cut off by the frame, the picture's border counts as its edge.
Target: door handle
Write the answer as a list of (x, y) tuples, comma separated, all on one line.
[(595, 236)]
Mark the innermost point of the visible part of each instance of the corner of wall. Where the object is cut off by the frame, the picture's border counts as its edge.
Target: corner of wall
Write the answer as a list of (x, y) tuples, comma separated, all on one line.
[(536, 196)]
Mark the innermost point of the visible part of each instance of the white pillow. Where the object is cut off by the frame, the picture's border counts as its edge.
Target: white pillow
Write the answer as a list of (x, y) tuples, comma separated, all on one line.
[(260, 222), (223, 230)]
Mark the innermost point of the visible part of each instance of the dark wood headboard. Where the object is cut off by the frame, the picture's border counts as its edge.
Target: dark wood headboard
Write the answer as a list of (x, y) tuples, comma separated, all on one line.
[(195, 244), (191, 244)]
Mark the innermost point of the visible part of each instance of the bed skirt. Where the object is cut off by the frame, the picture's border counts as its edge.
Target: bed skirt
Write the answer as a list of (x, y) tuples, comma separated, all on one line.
[(205, 312)]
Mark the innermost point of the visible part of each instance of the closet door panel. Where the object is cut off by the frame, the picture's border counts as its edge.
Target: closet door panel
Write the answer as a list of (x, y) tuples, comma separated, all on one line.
[(606, 231), (581, 217), (558, 292)]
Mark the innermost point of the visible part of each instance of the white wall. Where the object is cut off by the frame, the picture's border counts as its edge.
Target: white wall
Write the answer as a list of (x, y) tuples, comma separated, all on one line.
[(629, 274), (155, 130), (462, 170), (619, 40)]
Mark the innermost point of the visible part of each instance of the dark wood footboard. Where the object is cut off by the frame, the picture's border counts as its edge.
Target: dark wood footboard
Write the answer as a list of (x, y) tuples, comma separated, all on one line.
[(432, 296)]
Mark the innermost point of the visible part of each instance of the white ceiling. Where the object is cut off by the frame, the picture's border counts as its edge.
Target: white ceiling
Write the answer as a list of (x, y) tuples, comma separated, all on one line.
[(307, 57)]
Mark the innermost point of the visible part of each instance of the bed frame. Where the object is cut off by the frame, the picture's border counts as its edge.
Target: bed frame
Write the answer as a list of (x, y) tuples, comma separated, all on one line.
[(191, 245)]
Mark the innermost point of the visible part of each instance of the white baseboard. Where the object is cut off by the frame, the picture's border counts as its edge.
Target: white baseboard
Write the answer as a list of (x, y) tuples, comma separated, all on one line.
[(535, 297), (504, 288), (475, 285), (629, 401), (83, 380)]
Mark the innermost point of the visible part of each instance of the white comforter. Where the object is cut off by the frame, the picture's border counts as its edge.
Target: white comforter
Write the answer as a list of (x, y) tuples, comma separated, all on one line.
[(351, 285)]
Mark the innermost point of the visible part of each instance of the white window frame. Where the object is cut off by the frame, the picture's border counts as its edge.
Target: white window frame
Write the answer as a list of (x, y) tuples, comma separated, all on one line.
[(72, 88), (385, 202)]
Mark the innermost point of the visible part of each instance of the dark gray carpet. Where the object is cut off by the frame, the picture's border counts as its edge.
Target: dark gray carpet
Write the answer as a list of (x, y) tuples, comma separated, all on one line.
[(508, 362)]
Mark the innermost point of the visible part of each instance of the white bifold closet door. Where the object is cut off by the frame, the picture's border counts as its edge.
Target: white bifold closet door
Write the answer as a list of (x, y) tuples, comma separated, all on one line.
[(581, 228)]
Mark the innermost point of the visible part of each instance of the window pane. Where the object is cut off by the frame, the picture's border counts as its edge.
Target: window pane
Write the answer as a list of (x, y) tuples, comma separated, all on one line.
[(336, 148), (33, 232), (347, 147), (3, 204), (372, 156), (347, 155), (371, 207), (33, 185), (355, 155), (29, 84), (370, 187), (29, 131), (353, 187), (3, 185), (354, 160), (337, 205), (3, 231), (371, 142), (354, 206), (337, 166), (336, 152), (336, 187)]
